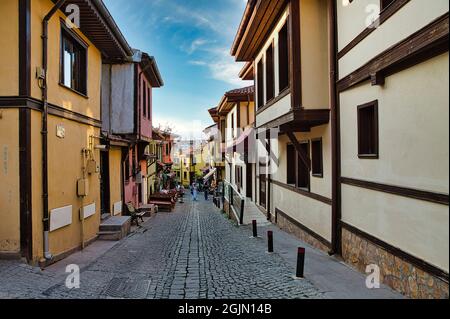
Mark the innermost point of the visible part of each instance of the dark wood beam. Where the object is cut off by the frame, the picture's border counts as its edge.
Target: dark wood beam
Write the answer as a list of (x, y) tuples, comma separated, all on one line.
[(304, 157), (295, 71)]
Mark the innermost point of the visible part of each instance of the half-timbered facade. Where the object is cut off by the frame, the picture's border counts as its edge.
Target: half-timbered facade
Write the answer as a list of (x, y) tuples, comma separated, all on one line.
[(394, 149), (352, 128), (127, 113)]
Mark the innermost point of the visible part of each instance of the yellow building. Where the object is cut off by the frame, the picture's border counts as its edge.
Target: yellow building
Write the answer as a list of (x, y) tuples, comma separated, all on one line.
[(190, 162), (50, 180)]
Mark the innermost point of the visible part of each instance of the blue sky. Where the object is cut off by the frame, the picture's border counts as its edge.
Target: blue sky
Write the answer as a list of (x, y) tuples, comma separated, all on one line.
[(191, 41)]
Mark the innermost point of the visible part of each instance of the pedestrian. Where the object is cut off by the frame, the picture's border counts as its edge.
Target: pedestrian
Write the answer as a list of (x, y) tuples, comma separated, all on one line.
[(194, 191), (206, 189)]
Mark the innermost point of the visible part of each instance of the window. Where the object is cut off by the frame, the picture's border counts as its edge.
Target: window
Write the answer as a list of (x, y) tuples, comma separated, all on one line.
[(317, 157), (126, 166), (297, 172), (144, 100), (149, 103), (368, 130), (222, 130), (260, 83), (73, 64), (270, 83), (303, 171), (385, 3), (185, 175), (133, 158), (232, 125), (291, 165), (238, 177), (283, 52)]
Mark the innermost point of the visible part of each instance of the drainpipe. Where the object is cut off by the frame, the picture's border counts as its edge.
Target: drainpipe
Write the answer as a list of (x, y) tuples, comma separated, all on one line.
[(335, 231), (46, 214)]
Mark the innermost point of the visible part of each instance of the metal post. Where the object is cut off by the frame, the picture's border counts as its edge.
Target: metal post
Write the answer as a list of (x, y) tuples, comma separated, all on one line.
[(241, 217), (255, 229), (301, 262), (270, 241)]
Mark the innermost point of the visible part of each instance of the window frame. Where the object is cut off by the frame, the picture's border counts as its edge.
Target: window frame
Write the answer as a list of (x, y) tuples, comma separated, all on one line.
[(233, 135), (83, 47), (291, 147), (321, 173), (308, 148), (260, 85), (286, 68), (149, 101), (297, 161), (384, 6), (270, 72), (376, 141), (144, 98)]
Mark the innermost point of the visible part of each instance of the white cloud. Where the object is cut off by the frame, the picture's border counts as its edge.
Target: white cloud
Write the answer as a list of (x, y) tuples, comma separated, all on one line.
[(195, 45), (187, 130), (222, 66), (198, 63)]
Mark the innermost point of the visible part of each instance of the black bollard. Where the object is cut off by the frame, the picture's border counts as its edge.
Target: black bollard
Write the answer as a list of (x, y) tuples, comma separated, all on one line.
[(270, 241), (301, 262), (255, 229)]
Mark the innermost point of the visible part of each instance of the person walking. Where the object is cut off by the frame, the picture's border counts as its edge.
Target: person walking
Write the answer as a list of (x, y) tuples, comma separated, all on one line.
[(194, 191), (206, 189)]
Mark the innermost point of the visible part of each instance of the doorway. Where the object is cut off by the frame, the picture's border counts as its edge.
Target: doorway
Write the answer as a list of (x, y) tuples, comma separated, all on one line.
[(105, 198), (263, 191), (249, 180)]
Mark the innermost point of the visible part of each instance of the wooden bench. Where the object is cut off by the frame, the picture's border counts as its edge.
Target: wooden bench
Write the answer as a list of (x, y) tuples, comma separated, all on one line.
[(164, 198), (166, 205), (135, 215)]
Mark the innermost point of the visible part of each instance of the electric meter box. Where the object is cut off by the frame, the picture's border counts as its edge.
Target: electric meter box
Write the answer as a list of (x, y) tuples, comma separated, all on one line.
[(91, 167), (82, 187)]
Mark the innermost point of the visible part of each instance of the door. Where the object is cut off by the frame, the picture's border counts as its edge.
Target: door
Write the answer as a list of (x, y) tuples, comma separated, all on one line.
[(104, 183), (263, 191), (249, 180)]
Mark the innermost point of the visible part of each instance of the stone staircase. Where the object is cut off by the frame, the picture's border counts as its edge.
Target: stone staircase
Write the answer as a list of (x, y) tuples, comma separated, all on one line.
[(114, 228), (252, 212)]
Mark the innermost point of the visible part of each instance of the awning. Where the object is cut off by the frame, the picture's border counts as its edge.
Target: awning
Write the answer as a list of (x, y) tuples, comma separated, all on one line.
[(210, 174)]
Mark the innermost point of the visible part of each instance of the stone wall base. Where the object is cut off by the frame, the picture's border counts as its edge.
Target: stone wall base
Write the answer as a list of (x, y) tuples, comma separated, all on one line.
[(394, 271), (289, 227)]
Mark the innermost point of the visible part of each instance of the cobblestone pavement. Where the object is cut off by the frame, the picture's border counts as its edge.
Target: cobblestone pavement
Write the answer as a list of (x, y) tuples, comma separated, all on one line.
[(192, 253)]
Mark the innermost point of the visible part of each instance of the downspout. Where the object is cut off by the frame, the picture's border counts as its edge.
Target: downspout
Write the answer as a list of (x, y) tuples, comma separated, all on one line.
[(335, 153), (46, 214)]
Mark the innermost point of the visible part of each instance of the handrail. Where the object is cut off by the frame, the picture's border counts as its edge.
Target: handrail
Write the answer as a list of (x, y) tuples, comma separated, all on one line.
[(234, 205)]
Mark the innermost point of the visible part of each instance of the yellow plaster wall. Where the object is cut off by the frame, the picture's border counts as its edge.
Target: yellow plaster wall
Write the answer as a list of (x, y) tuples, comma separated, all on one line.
[(314, 52), (9, 42), (115, 180), (9, 181), (59, 95), (65, 168)]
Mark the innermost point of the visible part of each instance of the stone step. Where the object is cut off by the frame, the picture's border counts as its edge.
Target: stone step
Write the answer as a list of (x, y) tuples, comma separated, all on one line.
[(105, 217), (116, 227), (110, 235)]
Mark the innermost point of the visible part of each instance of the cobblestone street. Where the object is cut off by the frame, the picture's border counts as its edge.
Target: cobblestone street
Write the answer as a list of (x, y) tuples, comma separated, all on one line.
[(192, 253)]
